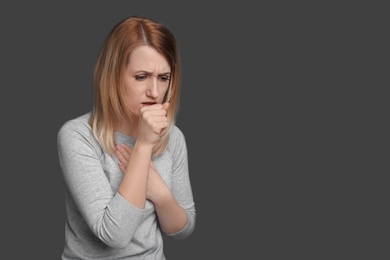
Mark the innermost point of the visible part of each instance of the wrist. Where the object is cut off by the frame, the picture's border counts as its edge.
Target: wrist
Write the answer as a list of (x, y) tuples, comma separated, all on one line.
[(143, 146), (163, 198)]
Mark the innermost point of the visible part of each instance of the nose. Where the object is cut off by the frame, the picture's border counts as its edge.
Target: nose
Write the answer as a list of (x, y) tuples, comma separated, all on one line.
[(152, 90)]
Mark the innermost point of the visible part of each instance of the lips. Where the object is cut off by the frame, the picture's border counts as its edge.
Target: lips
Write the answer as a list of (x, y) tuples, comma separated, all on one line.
[(148, 103)]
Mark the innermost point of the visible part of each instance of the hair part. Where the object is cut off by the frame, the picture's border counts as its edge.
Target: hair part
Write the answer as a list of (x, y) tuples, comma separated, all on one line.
[(109, 103)]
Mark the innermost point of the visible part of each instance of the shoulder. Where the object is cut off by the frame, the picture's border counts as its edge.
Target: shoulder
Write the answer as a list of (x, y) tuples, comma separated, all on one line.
[(76, 126), (76, 135), (176, 134), (176, 139)]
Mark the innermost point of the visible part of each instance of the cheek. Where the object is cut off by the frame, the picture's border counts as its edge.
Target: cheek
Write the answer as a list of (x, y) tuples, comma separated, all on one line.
[(132, 104), (131, 101), (163, 93)]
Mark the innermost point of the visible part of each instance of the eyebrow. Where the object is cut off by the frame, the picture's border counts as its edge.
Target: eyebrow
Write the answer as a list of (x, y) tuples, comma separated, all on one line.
[(149, 73)]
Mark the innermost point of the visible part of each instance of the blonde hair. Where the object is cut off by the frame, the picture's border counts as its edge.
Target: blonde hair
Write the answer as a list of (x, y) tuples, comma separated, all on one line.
[(109, 104)]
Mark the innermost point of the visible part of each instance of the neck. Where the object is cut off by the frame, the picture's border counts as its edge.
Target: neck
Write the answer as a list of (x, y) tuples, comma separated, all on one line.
[(129, 128)]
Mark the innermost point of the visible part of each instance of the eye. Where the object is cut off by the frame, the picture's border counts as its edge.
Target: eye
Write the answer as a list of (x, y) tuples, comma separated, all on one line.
[(140, 77), (164, 78)]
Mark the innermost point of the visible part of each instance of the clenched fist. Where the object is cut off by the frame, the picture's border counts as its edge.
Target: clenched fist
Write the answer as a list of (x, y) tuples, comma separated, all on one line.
[(152, 121)]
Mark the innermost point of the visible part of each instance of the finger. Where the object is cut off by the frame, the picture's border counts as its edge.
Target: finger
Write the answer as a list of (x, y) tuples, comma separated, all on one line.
[(156, 109), (122, 167), (127, 148), (165, 106), (157, 121), (125, 151), (151, 107), (154, 113), (120, 156), (158, 127)]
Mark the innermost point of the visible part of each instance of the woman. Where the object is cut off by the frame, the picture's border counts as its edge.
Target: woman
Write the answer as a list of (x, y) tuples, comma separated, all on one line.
[(125, 163)]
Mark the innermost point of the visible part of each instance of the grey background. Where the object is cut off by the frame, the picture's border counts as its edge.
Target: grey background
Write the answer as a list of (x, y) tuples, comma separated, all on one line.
[(283, 107)]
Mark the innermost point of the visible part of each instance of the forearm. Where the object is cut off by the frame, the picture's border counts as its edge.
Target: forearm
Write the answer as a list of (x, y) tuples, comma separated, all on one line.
[(172, 217), (134, 184)]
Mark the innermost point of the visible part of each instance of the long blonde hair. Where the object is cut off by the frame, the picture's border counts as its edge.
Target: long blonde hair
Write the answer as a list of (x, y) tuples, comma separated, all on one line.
[(109, 104)]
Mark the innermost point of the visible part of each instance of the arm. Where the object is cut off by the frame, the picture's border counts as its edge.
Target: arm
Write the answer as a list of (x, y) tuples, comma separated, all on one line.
[(181, 185), (175, 208), (135, 181), (172, 217), (108, 214)]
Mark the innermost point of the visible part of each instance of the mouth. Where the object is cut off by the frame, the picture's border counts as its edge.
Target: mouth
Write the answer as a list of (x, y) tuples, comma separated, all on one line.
[(144, 104)]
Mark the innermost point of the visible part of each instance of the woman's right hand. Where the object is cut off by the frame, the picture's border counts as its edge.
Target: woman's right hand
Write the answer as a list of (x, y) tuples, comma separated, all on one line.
[(156, 186), (123, 153), (153, 120)]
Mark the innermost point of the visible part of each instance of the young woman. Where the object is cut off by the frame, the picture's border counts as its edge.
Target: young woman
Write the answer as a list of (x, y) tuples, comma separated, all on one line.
[(125, 163)]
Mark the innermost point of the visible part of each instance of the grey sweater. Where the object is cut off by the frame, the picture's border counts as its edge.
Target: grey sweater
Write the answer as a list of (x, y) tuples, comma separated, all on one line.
[(100, 223)]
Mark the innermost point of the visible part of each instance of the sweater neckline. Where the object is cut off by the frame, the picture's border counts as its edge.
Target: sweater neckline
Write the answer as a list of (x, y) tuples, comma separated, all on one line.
[(122, 138)]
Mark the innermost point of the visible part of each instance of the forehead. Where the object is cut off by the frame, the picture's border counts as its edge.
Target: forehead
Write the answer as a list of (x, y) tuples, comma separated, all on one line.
[(148, 59)]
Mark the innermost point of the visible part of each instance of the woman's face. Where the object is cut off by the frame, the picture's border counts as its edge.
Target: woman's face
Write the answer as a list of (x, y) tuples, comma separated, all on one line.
[(146, 80)]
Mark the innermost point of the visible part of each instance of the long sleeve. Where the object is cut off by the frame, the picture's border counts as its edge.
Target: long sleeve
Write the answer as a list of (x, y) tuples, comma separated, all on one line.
[(100, 223), (181, 184), (108, 215)]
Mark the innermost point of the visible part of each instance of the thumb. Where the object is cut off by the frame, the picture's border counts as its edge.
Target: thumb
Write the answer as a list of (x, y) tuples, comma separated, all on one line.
[(165, 106)]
